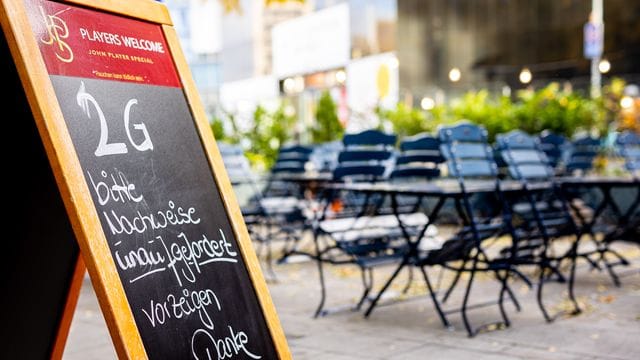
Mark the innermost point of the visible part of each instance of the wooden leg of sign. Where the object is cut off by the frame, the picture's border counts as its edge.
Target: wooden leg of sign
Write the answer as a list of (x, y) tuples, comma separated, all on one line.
[(69, 309)]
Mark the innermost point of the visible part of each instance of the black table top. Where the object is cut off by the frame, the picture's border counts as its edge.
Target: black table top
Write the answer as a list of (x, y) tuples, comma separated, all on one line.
[(451, 187)]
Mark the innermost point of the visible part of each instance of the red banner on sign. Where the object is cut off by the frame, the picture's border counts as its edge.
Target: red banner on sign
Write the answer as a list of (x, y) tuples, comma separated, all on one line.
[(89, 44)]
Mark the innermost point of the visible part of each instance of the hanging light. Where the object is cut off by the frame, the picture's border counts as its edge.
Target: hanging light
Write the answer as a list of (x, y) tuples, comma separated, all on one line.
[(427, 103), (454, 74), (525, 76), (604, 66), (289, 85), (626, 102)]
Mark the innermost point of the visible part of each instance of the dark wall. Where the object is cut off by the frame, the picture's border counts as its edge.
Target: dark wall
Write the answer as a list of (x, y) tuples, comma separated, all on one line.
[(39, 251), (491, 40)]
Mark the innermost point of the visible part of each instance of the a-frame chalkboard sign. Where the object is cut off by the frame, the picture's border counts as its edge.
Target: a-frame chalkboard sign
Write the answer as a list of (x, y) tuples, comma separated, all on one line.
[(122, 160)]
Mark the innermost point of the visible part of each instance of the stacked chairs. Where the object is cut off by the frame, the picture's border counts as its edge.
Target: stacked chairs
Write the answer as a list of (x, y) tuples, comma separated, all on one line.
[(243, 180), (540, 211), (277, 211), (359, 229), (582, 154), (553, 146), (470, 158), (247, 189), (367, 229), (292, 160), (419, 158), (325, 156), (628, 147), (418, 161), (284, 204)]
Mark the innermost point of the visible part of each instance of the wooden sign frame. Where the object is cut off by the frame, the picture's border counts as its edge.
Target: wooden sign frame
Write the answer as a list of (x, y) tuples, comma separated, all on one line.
[(76, 193)]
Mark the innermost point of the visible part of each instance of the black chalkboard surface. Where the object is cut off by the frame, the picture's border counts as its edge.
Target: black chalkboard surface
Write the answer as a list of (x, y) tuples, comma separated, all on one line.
[(164, 220), (172, 245)]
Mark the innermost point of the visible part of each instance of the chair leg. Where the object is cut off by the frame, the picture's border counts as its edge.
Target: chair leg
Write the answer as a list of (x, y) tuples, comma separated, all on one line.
[(622, 259), (612, 273), (465, 301), (323, 290), (509, 292), (541, 280), (367, 284), (556, 271), (287, 248), (269, 259), (434, 298), (375, 300), (522, 277), (605, 249), (409, 281), (504, 288), (572, 277), (453, 283)]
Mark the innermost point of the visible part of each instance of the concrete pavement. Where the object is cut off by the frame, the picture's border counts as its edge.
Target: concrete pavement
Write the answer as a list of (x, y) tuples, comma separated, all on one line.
[(609, 327)]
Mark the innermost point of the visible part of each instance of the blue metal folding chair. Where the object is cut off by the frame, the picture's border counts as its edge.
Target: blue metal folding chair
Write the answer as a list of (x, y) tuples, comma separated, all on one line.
[(581, 155), (354, 227), (628, 147), (469, 157), (541, 210), (325, 156), (418, 159), (554, 146), (292, 160)]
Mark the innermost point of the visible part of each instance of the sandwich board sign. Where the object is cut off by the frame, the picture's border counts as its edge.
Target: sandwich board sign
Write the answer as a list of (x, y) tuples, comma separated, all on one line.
[(125, 163)]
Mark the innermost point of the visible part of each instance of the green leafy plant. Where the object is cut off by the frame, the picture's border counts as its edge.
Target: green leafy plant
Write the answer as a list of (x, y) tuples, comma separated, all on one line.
[(269, 131), (550, 108), (405, 120), (495, 114), (217, 127), (327, 127)]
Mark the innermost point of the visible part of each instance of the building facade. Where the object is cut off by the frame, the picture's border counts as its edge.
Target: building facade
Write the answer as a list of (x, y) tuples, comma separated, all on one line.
[(490, 42)]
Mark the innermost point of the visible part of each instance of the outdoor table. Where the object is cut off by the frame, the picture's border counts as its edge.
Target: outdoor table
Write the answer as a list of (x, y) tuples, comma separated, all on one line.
[(305, 181), (605, 185), (441, 190), (446, 189), (308, 184)]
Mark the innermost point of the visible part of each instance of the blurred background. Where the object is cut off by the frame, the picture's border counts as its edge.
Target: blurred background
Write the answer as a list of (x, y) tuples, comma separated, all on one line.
[(272, 72)]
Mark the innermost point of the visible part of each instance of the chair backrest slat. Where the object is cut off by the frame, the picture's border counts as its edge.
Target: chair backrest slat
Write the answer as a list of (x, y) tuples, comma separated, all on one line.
[(292, 159), (553, 146), (325, 156), (419, 158), (467, 152), (410, 157), (523, 156), (475, 168), (628, 147), (369, 137), (236, 164), (582, 154), (365, 156)]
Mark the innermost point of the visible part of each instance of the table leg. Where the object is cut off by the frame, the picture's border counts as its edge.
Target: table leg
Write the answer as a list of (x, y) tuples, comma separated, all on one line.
[(413, 246)]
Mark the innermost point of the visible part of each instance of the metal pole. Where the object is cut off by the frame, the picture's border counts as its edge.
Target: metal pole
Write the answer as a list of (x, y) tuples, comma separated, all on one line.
[(596, 18)]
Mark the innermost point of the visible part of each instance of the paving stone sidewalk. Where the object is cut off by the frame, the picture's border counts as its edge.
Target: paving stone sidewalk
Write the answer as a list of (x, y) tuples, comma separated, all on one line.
[(609, 328)]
